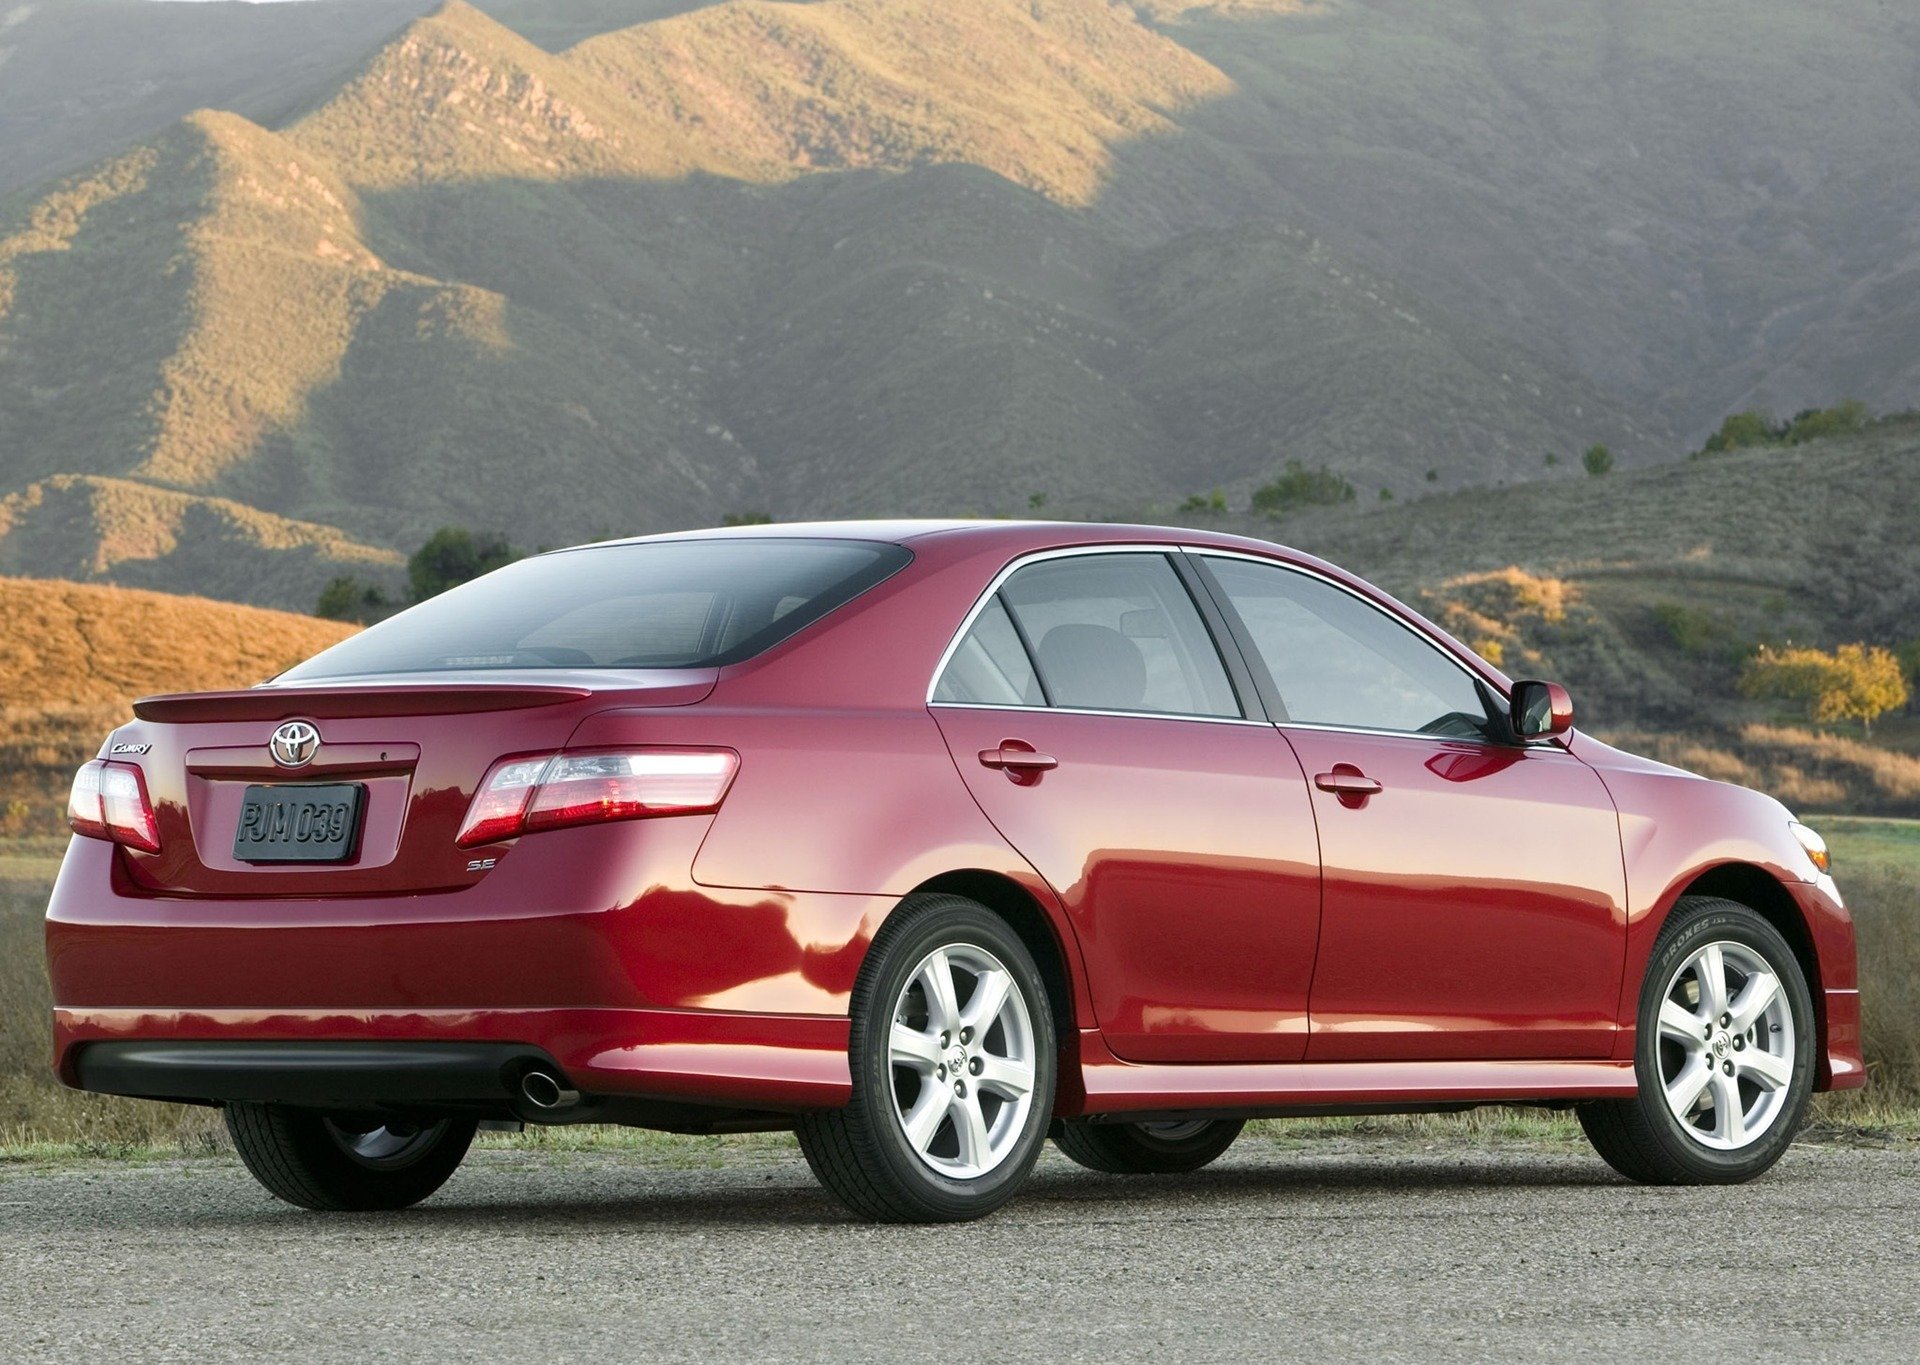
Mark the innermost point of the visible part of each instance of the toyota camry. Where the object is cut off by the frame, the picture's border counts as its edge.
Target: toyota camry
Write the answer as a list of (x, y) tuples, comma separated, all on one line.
[(929, 842)]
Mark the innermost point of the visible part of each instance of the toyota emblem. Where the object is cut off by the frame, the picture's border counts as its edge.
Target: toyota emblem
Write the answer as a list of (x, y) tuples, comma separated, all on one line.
[(294, 744)]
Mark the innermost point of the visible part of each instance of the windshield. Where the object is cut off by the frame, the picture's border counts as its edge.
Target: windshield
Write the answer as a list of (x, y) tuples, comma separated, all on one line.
[(654, 604)]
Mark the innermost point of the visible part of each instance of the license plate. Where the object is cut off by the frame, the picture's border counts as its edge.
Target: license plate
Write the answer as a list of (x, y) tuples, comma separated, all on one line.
[(299, 823)]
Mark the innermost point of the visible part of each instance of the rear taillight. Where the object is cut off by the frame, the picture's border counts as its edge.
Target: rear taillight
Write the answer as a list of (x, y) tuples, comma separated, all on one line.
[(109, 801), (546, 791)]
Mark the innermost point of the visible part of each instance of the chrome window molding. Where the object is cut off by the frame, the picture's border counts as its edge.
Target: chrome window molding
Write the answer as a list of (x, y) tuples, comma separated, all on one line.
[(1205, 552), (1446, 652), (1089, 711), (1036, 557)]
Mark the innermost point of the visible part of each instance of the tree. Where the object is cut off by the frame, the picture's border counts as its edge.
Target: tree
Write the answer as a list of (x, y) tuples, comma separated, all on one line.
[(1598, 460), (1212, 504), (348, 599), (1854, 682), (452, 556)]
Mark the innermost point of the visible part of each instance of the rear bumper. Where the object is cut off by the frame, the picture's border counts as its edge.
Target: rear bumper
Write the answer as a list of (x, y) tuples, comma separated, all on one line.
[(434, 1057), (600, 954)]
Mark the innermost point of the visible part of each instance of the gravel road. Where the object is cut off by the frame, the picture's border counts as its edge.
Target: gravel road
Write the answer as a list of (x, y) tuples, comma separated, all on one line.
[(1422, 1251)]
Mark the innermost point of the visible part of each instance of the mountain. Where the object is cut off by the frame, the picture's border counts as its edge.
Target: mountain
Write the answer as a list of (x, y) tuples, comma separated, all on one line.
[(584, 267)]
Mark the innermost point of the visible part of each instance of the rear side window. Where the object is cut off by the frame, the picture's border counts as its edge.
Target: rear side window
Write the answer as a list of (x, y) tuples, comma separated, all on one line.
[(990, 667), (658, 604), (1110, 632)]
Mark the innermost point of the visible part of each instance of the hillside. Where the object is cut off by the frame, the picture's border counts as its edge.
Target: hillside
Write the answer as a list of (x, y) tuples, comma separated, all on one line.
[(73, 657), (582, 267), (1644, 592), (133, 533)]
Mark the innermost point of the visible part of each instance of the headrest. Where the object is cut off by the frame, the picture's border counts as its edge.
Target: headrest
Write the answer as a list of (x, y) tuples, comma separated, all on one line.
[(1093, 666)]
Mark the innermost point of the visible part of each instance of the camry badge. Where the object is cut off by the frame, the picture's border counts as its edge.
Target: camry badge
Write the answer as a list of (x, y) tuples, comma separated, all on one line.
[(294, 744)]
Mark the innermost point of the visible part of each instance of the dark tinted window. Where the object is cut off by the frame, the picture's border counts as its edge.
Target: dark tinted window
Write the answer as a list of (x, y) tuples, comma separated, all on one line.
[(664, 604), (1118, 632), (1337, 660)]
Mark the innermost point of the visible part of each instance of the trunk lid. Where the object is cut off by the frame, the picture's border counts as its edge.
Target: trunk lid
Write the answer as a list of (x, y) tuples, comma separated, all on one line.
[(417, 746)]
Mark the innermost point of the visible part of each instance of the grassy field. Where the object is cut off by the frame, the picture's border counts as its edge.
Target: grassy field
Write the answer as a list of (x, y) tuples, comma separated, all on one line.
[(1878, 863)]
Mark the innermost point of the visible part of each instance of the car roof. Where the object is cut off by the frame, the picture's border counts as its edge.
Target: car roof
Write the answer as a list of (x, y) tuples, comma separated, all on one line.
[(1015, 535)]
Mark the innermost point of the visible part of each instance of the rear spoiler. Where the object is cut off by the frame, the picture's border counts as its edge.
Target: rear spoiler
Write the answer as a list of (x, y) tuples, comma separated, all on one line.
[(394, 699)]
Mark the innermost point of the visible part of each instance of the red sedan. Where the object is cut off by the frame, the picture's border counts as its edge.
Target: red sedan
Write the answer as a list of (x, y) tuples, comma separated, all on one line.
[(928, 841)]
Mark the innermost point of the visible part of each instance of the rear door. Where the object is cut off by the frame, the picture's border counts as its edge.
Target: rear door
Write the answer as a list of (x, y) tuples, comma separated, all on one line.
[(1091, 714), (1475, 896)]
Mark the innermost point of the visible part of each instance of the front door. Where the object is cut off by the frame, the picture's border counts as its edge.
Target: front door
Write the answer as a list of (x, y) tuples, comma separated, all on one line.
[(1089, 712), (1474, 892)]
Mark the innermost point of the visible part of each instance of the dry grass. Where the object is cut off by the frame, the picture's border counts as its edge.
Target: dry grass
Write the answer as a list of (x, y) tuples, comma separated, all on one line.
[(1807, 769), (73, 657), (34, 1109)]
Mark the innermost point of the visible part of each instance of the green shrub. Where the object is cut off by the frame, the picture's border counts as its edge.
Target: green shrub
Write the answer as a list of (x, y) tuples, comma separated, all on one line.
[(348, 599), (1212, 504), (747, 519), (1598, 461), (1742, 430), (1842, 419), (452, 556), (1299, 487), (1703, 634)]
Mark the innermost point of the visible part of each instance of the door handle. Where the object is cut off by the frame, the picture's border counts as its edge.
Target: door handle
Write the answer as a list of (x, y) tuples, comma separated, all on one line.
[(1019, 760), (1347, 782)]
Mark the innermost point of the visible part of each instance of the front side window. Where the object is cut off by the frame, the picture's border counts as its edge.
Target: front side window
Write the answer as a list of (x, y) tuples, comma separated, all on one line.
[(1338, 660), (644, 604), (1109, 632)]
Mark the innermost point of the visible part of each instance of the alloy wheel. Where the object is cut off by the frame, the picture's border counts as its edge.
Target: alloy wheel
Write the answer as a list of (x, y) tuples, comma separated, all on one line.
[(387, 1146), (961, 1059), (1726, 1045)]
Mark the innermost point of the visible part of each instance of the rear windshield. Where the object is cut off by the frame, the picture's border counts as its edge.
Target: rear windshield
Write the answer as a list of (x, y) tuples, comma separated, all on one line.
[(660, 604)]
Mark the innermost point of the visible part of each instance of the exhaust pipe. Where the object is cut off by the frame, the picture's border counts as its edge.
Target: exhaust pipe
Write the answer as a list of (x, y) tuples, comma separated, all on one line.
[(544, 1091)]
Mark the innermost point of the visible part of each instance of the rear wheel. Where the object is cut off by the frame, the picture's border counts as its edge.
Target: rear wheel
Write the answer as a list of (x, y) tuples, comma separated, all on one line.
[(1724, 1058), (953, 1057), (340, 1163), (1166, 1148)]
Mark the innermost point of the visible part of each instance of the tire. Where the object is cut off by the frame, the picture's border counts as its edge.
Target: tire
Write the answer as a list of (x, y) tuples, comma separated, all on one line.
[(1146, 1148), (939, 1133), (1762, 1075), (334, 1165)]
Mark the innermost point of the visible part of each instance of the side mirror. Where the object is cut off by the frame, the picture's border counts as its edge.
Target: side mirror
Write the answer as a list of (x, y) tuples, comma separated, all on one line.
[(1540, 710)]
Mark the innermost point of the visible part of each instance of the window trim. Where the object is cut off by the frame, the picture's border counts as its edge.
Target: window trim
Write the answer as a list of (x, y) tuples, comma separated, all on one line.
[(1237, 625), (1229, 620), (1166, 552)]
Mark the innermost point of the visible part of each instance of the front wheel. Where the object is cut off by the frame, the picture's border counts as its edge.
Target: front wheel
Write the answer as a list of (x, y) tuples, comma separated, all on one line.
[(341, 1163), (1724, 1059), (1171, 1147), (953, 1059)]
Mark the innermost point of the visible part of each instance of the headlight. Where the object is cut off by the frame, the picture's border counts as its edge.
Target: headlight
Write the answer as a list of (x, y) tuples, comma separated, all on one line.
[(1815, 846)]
